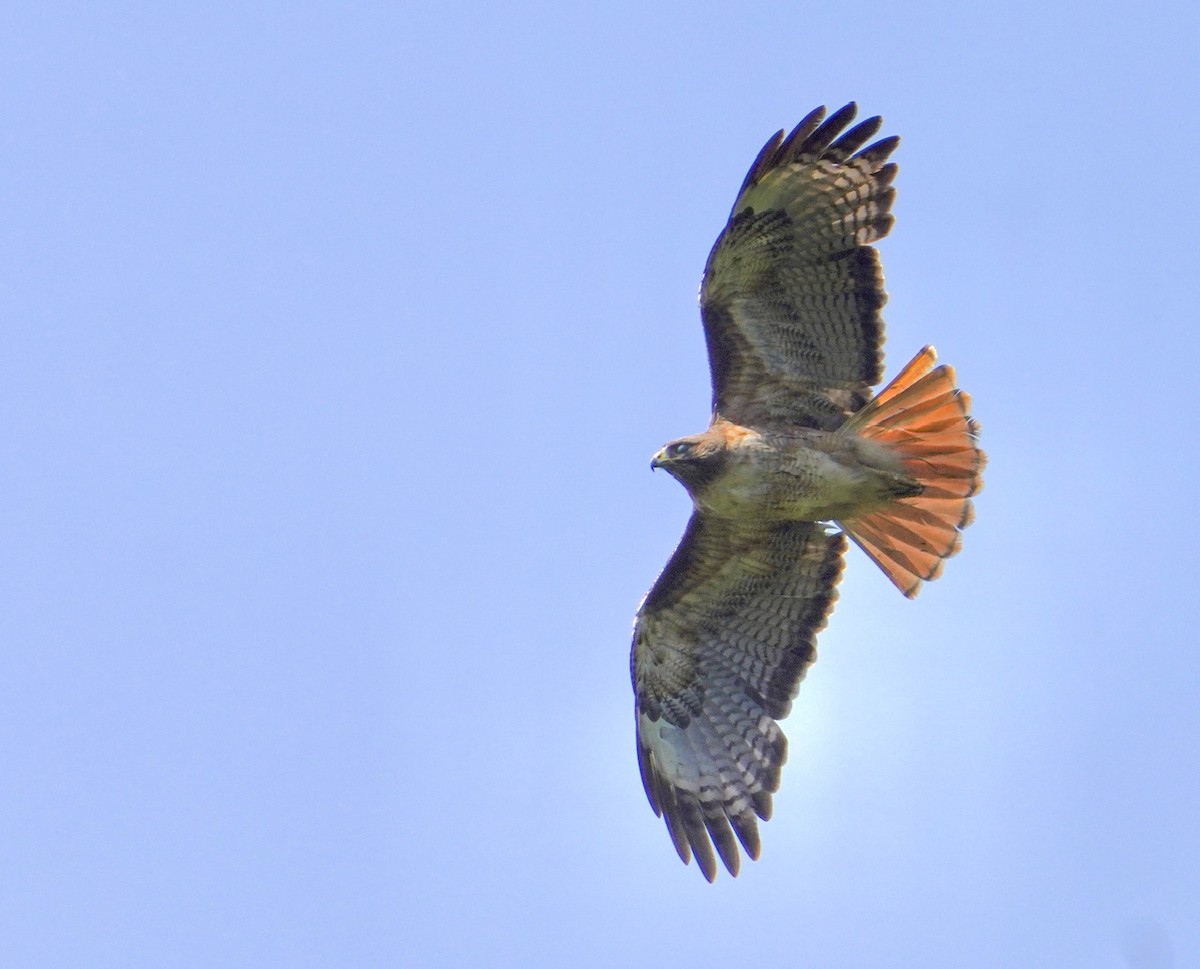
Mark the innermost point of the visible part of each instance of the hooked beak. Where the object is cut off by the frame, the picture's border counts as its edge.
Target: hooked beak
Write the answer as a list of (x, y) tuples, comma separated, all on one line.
[(658, 459)]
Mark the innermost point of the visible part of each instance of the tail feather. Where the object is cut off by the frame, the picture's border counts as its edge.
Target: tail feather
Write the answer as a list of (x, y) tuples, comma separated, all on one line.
[(921, 464), (907, 567), (926, 539), (944, 412), (938, 444), (923, 420), (924, 545), (929, 513), (909, 374)]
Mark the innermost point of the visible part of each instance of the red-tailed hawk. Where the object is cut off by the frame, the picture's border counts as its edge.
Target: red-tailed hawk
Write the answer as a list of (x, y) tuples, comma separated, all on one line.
[(791, 305)]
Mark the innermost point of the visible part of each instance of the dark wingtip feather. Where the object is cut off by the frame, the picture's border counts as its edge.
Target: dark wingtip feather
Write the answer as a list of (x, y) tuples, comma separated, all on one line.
[(746, 829), (678, 831), (823, 137), (764, 161), (702, 849), (685, 818), (647, 773), (887, 173), (854, 139), (722, 837), (799, 134), (878, 153)]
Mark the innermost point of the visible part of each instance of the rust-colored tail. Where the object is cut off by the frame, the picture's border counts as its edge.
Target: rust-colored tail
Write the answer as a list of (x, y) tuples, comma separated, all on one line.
[(922, 418)]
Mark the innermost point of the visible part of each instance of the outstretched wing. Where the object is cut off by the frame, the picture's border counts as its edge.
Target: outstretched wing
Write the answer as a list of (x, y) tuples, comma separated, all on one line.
[(719, 648), (792, 290)]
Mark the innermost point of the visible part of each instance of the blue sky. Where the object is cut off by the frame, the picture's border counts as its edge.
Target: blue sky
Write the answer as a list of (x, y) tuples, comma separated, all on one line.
[(336, 341)]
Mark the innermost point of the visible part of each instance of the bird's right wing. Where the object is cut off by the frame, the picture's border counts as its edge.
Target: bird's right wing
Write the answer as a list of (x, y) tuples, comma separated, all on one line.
[(720, 645)]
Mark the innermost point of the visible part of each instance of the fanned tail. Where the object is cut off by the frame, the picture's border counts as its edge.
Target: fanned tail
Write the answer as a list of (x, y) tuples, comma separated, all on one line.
[(922, 419)]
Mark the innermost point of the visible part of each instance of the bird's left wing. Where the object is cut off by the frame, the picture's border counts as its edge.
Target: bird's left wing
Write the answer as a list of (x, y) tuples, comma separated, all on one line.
[(792, 290), (720, 645)]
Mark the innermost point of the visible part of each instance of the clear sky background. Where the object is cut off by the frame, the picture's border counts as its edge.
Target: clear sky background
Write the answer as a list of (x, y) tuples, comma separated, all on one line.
[(336, 340)]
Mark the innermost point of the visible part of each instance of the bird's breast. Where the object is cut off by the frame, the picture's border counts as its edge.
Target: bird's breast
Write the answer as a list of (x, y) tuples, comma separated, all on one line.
[(803, 477)]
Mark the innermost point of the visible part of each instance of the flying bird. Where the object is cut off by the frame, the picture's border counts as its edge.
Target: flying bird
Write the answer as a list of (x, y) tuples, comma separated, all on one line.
[(799, 456)]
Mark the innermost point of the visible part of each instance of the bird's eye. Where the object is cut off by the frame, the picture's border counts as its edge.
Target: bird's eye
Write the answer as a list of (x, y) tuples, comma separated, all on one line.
[(680, 449)]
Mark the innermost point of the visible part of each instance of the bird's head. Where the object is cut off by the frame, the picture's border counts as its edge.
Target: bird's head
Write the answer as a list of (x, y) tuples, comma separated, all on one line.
[(693, 461)]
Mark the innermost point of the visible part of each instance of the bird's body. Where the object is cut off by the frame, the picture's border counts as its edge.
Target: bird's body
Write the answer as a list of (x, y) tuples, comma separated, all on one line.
[(798, 474), (791, 305)]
